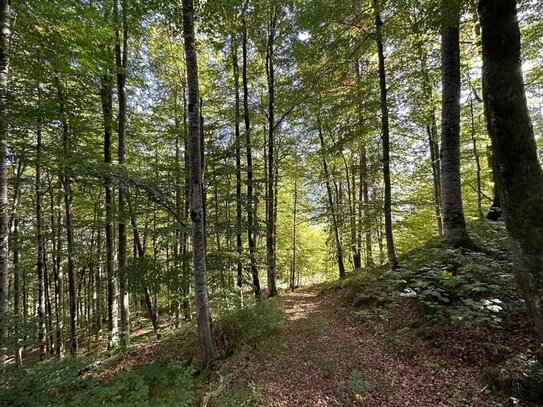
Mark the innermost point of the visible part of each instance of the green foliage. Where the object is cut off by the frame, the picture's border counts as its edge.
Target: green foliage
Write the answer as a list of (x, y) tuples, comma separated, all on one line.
[(61, 383), (466, 288), (242, 394), (257, 327), (521, 377), (358, 383)]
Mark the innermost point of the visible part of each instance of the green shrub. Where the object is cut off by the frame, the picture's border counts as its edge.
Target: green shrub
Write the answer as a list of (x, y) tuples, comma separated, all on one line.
[(255, 326), (521, 377)]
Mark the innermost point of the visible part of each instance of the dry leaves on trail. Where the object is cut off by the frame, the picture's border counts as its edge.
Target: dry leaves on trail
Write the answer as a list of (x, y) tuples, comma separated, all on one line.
[(328, 353)]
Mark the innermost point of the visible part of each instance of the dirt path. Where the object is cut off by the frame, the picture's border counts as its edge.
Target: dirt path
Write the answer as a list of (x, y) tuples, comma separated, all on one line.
[(328, 351)]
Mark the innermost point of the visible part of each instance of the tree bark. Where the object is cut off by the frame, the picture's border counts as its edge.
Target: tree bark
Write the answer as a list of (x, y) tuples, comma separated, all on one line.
[(14, 246), (251, 212), (203, 315), (121, 59), (113, 290), (270, 201), (5, 36), (391, 251), (516, 164), (239, 242), (42, 328), (68, 213), (454, 223)]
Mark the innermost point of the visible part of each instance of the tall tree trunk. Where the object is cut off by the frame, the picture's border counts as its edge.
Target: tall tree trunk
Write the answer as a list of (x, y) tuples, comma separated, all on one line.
[(454, 224), (495, 213), (332, 206), (391, 251), (56, 228), (203, 315), (42, 327), (121, 59), (270, 200), (477, 161), (113, 289), (251, 212), (68, 208), (294, 220), (14, 245), (517, 168), (239, 244), (5, 36)]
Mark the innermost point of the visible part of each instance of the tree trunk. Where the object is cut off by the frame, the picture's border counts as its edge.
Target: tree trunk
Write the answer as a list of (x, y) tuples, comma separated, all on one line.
[(42, 328), (239, 244), (270, 201), (14, 245), (391, 251), (121, 59), (251, 212), (477, 161), (294, 220), (495, 213), (203, 315), (113, 290), (331, 206), (5, 36), (56, 228), (516, 165), (68, 208), (454, 224)]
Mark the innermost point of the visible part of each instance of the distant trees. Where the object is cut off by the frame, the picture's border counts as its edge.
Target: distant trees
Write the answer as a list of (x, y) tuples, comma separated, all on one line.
[(517, 168)]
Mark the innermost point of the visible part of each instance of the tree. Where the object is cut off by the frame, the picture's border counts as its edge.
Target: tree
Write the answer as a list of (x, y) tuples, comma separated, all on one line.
[(391, 251), (454, 223), (5, 34), (516, 165), (203, 315), (121, 60)]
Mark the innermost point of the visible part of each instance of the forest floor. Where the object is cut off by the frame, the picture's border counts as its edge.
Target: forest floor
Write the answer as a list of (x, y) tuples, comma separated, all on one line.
[(330, 358)]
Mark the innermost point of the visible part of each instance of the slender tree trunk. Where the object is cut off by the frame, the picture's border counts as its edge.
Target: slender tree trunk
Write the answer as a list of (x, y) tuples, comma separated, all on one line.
[(294, 220), (14, 245), (454, 223), (477, 162), (68, 208), (239, 243), (331, 206), (270, 201), (42, 327), (495, 213), (56, 228), (517, 168), (121, 59), (113, 289), (5, 36), (203, 315), (391, 251), (251, 212)]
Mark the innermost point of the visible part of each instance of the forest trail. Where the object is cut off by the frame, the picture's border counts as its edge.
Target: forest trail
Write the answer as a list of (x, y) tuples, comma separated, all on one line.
[(328, 352)]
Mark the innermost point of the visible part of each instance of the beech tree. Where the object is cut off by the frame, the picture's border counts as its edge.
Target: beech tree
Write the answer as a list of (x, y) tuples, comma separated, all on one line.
[(517, 168), (454, 223), (203, 316), (5, 34)]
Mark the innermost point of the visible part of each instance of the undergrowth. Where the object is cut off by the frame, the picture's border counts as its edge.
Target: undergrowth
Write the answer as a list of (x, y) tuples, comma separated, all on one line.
[(168, 377)]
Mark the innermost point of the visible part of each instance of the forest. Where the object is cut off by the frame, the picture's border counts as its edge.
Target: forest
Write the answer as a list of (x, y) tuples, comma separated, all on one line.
[(271, 203)]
